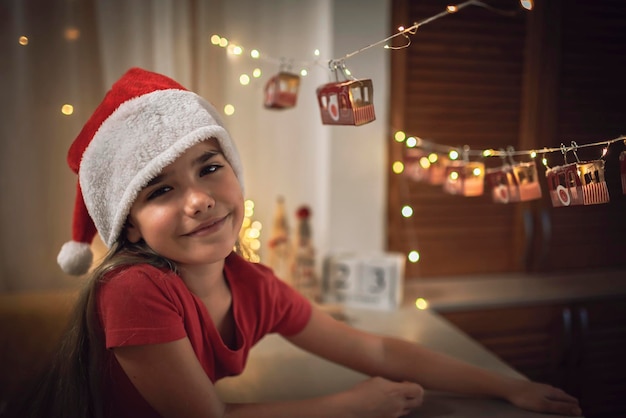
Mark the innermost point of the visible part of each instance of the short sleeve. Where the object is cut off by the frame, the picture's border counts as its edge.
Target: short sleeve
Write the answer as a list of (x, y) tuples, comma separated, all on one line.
[(292, 311), (137, 306)]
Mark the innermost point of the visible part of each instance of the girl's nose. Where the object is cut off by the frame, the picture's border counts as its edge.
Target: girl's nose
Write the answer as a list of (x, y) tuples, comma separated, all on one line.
[(198, 201)]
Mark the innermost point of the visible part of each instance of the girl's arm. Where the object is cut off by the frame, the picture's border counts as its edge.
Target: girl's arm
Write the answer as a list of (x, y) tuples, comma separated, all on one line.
[(400, 360), (171, 379)]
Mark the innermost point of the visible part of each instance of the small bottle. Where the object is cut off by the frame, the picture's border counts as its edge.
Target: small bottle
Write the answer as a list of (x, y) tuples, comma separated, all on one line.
[(279, 245), (303, 274)]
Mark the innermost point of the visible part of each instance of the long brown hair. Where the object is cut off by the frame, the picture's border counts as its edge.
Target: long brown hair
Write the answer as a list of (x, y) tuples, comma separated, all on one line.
[(71, 386)]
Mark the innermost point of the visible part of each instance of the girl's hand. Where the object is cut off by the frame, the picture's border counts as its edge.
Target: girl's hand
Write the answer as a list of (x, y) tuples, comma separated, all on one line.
[(539, 397), (381, 398)]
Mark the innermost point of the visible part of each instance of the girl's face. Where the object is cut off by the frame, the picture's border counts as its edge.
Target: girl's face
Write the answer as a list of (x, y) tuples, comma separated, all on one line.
[(192, 212)]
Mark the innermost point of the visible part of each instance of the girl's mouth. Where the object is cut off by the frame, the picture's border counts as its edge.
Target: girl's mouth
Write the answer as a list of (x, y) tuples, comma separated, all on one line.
[(207, 228)]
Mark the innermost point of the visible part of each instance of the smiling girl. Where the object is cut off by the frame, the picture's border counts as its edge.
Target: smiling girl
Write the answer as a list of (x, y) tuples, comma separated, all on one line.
[(172, 308)]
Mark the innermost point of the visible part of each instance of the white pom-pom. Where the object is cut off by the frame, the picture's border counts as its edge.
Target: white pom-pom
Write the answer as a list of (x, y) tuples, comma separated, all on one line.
[(75, 258)]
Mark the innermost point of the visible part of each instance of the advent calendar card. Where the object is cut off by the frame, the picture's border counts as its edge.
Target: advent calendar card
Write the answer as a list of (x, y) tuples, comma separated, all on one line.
[(364, 280)]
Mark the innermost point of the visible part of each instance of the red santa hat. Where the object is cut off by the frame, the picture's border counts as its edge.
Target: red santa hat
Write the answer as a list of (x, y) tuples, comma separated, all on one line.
[(143, 124)]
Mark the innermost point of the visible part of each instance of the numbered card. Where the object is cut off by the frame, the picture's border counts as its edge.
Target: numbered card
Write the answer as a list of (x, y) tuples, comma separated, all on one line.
[(366, 281)]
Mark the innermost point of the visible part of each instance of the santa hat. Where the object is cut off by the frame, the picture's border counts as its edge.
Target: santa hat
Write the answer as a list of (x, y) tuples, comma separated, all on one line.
[(143, 124)]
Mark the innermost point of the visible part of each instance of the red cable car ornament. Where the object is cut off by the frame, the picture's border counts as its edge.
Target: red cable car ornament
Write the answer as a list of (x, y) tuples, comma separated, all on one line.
[(465, 178), (579, 183), (422, 165), (514, 182), (348, 102), (281, 91)]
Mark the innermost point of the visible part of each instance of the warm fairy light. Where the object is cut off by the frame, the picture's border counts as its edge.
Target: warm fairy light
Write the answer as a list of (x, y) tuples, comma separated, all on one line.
[(229, 110), (421, 304), (527, 4), (400, 28), (255, 54), (487, 153), (604, 151), (412, 142), (23, 40), (399, 136), (453, 155), (215, 39), (316, 52), (414, 256), (67, 109), (544, 161), (249, 234), (256, 73), (72, 34), (477, 171), (425, 163), (244, 79), (236, 50), (253, 233), (452, 9), (249, 206), (304, 72), (433, 158), (397, 167), (407, 211), (347, 71), (223, 42), (454, 175), (533, 154)]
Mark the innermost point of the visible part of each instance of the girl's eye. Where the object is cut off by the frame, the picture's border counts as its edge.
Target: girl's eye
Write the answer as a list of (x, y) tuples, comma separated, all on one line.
[(158, 192), (209, 169)]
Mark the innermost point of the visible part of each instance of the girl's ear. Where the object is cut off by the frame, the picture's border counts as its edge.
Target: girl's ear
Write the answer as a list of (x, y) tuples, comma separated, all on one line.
[(133, 234)]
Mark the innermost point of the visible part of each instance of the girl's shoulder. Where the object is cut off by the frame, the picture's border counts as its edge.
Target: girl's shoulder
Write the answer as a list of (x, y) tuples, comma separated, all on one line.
[(139, 276)]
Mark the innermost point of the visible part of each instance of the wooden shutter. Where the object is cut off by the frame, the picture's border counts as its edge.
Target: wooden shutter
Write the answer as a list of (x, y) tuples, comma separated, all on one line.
[(534, 80), (458, 83)]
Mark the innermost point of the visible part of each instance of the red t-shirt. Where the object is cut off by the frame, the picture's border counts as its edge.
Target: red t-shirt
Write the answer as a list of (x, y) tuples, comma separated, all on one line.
[(145, 305)]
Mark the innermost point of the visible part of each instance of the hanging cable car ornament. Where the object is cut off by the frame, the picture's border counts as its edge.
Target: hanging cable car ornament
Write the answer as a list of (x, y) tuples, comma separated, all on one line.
[(281, 91), (347, 102), (579, 183), (514, 181), (422, 165), (465, 177)]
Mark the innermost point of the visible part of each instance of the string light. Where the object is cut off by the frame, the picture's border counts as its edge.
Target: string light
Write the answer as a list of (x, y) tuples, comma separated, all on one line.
[(407, 211), (413, 256), (399, 136), (453, 152), (67, 109), (244, 79), (249, 235), (527, 4), (421, 303), (229, 110), (23, 40)]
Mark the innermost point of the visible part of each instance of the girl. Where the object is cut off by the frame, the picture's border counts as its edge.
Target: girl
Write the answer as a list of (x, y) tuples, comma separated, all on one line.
[(172, 309)]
